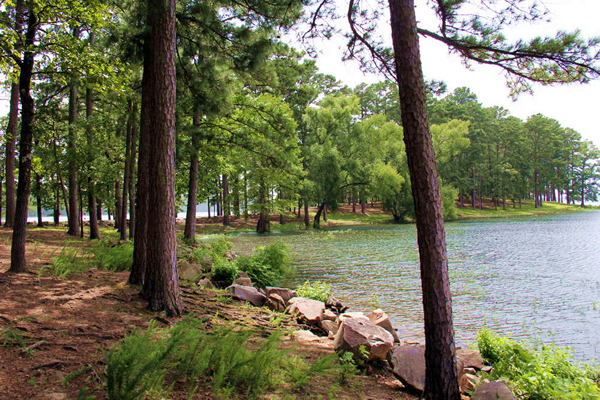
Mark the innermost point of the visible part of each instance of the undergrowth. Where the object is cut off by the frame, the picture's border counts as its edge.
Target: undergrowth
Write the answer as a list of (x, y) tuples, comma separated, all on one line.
[(545, 372), (225, 363), (317, 290)]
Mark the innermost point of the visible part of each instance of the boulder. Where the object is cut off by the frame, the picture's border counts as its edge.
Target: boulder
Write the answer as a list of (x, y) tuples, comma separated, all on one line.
[(356, 332), (493, 390), (247, 293), (408, 365), (470, 358), (230, 255), (309, 338), (205, 283), (379, 318), (329, 315), (351, 315), (306, 311), (468, 382), (243, 281), (187, 271), (285, 294), (331, 327), (275, 302)]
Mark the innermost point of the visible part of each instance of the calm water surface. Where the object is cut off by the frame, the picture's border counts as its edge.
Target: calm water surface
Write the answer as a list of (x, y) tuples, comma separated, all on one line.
[(533, 279)]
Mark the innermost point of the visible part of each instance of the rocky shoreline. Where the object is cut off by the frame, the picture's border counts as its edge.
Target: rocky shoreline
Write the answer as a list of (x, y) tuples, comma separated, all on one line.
[(367, 337)]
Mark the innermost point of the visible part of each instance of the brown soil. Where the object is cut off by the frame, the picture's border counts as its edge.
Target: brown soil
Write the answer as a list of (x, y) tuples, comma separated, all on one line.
[(67, 325)]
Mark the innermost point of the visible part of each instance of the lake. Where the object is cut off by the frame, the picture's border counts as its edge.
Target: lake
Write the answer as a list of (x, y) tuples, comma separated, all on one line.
[(533, 279)]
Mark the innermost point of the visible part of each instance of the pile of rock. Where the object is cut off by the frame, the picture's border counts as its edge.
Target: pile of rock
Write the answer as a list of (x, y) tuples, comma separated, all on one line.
[(369, 337)]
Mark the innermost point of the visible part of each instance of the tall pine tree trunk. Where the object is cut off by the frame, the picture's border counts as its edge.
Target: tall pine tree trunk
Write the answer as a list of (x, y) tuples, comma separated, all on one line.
[(441, 380), (226, 208), (11, 137), (73, 210), (126, 172), (18, 261), (161, 284), (189, 232), (91, 194), (132, 161)]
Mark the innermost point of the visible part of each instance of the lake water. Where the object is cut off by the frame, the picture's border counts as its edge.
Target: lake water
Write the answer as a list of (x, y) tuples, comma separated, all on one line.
[(529, 279)]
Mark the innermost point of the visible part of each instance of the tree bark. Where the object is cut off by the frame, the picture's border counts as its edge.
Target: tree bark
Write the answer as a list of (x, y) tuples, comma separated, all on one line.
[(89, 110), (72, 148), (317, 220), (132, 161), (18, 262), (226, 208), (441, 380), (161, 284), (11, 137), (189, 233), (126, 173), (118, 206)]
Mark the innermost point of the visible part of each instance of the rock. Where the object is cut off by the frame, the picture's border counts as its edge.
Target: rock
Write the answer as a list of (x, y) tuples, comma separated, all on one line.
[(306, 311), (285, 294), (205, 283), (335, 305), (309, 338), (275, 302), (356, 332), (243, 281), (408, 365), (379, 318), (468, 382), (493, 390), (349, 315), (470, 358), (329, 315), (247, 293), (230, 255), (331, 327), (187, 271)]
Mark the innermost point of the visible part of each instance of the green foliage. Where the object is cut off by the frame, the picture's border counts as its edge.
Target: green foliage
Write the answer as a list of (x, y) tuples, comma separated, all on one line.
[(449, 195), (66, 263), (224, 271), (547, 372), (112, 257), (12, 337), (145, 364), (317, 290)]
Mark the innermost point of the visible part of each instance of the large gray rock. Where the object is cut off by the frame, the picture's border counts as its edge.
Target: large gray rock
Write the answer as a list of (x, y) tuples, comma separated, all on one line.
[(355, 333), (493, 391), (243, 281), (284, 293), (306, 311), (187, 271), (247, 293), (331, 327), (470, 358), (408, 365), (275, 302), (205, 283), (379, 318), (351, 315)]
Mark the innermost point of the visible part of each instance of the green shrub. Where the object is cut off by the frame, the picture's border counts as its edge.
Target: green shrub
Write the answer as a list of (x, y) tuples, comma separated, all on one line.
[(546, 372), (267, 265), (317, 290), (113, 257), (66, 263), (224, 271), (449, 195)]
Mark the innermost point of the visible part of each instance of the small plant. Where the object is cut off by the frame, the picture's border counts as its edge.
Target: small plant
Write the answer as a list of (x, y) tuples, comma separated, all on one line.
[(66, 263), (547, 372), (267, 265), (113, 257), (224, 271), (317, 290)]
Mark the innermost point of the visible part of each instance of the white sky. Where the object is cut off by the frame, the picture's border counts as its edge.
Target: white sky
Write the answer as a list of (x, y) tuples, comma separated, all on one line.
[(575, 106)]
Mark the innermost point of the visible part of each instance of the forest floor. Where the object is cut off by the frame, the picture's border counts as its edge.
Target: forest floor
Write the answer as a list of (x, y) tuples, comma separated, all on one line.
[(55, 333)]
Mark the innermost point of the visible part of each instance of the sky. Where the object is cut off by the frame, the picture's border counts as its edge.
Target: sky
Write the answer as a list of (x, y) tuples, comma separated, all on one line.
[(575, 106)]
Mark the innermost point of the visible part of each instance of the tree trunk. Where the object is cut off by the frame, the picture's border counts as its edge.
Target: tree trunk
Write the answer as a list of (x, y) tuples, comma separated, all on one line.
[(91, 194), (226, 210), (161, 283), (317, 220), (73, 210), (441, 381), (126, 172), (99, 209), (132, 161), (11, 137), (189, 233), (263, 225), (38, 189), (118, 206), (57, 208), (306, 214), (18, 261)]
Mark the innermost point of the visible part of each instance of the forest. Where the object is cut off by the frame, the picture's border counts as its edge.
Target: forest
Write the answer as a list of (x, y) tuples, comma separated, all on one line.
[(142, 109)]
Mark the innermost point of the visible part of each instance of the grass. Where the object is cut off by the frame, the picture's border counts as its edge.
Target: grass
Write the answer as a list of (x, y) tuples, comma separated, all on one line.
[(527, 209)]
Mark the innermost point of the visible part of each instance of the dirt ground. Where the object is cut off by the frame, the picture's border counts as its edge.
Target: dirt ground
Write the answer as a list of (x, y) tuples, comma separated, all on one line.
[(67, 325)]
